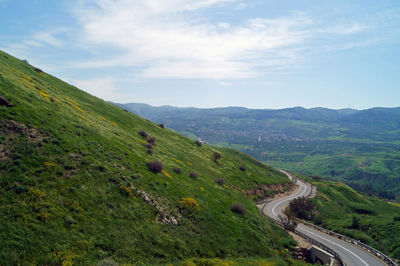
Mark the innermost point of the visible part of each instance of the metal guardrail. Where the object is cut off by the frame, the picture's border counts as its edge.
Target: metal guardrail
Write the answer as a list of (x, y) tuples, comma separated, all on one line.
[(369, 249), (316, 243)]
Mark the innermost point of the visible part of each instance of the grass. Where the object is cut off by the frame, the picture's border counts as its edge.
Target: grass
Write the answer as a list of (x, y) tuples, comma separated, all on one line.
[(74, 172), (379, 221), (239, 261)]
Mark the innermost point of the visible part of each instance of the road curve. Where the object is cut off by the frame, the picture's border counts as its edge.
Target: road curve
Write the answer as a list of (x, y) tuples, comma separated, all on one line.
[(350, 254)]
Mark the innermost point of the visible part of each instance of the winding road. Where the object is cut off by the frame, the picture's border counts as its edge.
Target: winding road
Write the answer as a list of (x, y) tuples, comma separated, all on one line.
[(350, 254)]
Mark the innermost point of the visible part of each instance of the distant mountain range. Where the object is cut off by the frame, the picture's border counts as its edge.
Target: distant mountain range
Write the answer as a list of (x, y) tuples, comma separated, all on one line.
[(358, 147)]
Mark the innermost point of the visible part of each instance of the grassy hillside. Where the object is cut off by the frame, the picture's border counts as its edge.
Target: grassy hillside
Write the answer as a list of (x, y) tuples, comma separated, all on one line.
[(360, 148), (75, 187), (368, 219)]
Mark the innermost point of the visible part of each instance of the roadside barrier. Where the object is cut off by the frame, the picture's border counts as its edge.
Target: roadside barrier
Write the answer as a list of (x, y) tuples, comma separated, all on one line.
[(369, 249), (316, 243)]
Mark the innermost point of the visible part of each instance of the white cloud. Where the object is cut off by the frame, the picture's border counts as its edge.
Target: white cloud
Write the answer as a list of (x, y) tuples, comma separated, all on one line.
[(33, 43), (225, 84), (106, 88), (52, 37), (240, 6), (344, 29), (352, 45), (103, 88), (166, 39), (48, 38)]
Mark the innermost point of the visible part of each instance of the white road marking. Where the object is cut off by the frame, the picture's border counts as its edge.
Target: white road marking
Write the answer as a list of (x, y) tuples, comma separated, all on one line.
[(337, 245)]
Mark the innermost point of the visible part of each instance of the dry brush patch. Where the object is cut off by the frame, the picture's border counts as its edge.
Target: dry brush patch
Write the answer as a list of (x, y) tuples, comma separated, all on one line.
[(155, 166), (238, 208)]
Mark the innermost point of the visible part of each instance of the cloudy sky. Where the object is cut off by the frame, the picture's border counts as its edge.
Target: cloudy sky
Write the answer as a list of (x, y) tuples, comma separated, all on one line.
[(209, 53)]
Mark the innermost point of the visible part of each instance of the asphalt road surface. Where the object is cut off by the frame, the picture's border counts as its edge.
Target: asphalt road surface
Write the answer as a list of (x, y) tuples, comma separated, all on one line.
[(350, 254)]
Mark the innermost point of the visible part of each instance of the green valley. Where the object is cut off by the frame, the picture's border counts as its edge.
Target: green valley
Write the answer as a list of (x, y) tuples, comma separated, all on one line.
[(359, 148)]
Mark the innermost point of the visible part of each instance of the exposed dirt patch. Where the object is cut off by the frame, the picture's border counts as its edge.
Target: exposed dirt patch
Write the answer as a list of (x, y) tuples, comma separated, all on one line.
[(301, 242), (263, 190), (302, 250), (13, 128), (275, 191), (303, 254)]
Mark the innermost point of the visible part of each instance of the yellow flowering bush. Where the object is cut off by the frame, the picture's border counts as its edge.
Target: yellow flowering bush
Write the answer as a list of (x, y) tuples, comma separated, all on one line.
[(190, 203), (44, 94), (127, 191), (43, 216), (176, 160), (74, 104), (48, 164), (84, 118), (35, 194), (166, 173), (210, 262)]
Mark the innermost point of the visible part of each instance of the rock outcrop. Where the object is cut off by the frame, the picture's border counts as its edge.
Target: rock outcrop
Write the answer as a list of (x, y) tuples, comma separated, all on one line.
[(4, 102)]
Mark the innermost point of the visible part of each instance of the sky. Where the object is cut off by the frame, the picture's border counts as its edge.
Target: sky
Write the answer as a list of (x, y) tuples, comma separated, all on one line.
[(214, 53)]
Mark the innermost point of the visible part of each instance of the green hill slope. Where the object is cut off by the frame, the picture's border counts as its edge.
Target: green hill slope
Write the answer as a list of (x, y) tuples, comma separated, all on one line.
[(75, 187)]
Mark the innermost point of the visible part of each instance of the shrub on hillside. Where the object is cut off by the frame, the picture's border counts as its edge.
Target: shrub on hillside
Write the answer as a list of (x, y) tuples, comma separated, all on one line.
[(194, 175), (190, 203), (242, 168), (220, 181), (238, 208), (149, 151), (198, 143), (126, 191), (107, 262), (143, 133), (38, 70), (147, 145), (355, 223), (216, 157), (302, 208), (318, 219), (152, 141), (161, 125), (177, 170), (155, 166)]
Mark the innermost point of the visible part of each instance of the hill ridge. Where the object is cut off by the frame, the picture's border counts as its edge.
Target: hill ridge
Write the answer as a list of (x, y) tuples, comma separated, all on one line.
[(81, 182)]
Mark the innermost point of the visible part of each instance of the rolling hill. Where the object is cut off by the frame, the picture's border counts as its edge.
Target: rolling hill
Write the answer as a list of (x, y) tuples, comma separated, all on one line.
[(83, 181), (360, 148)]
